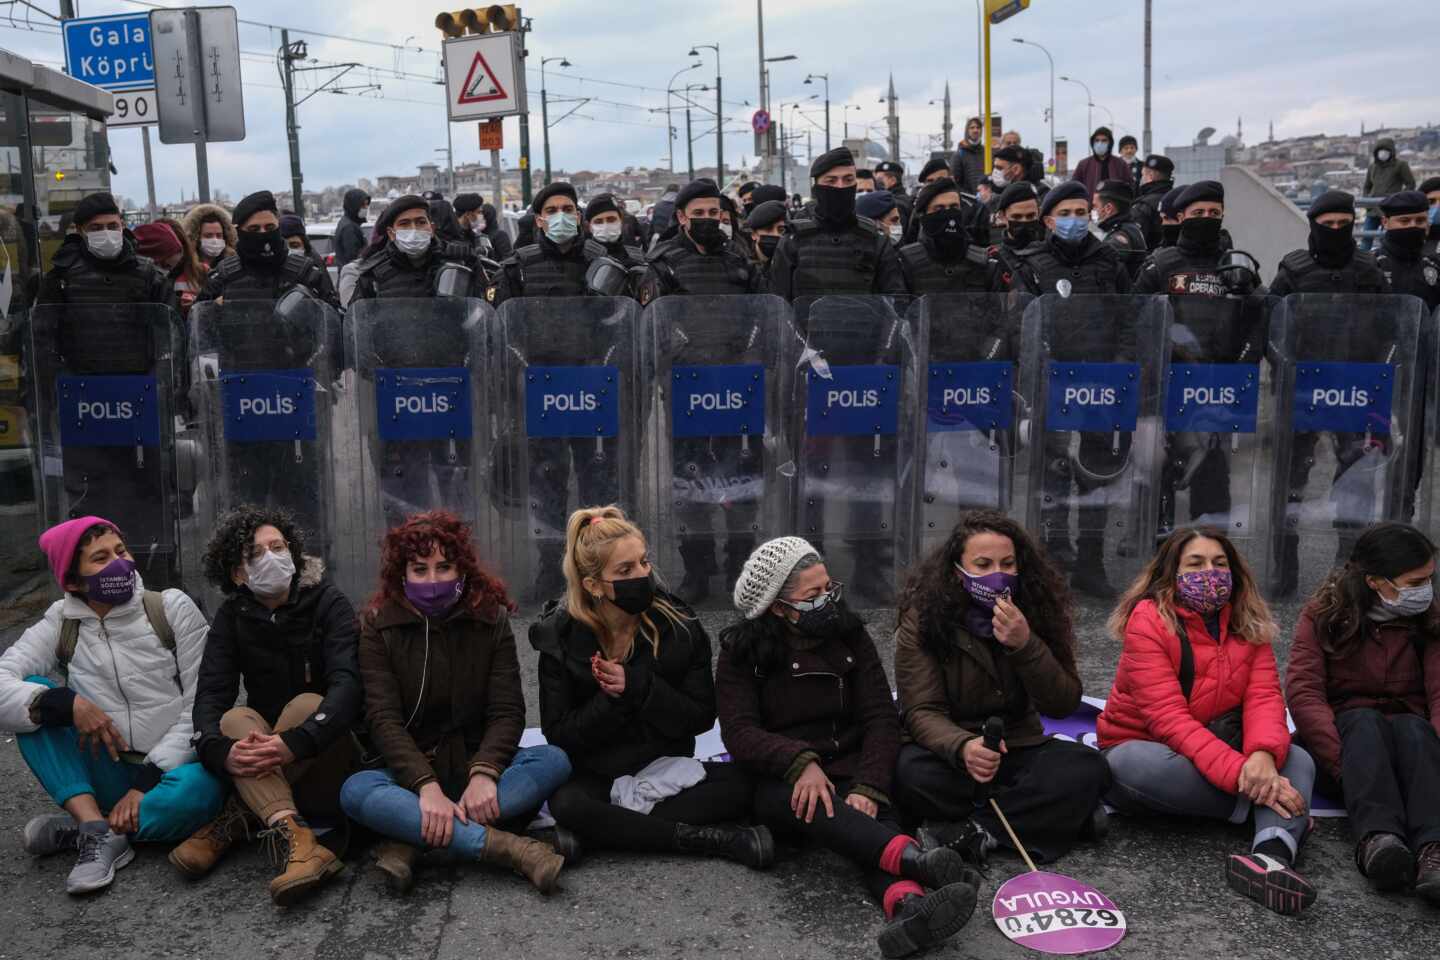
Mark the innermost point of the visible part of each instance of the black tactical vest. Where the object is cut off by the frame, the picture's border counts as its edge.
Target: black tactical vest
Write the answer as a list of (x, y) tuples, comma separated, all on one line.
[(925, 274), (84, 279), (684, 270), (1189, 273), (542, 275), (1419, 277), (1307, 275), (240, 281), (1041, 271), (1128, 239), (829, 262)]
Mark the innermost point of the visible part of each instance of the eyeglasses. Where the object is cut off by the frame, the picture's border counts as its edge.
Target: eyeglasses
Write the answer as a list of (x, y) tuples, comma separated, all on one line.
[(258, 550), (834, 590)]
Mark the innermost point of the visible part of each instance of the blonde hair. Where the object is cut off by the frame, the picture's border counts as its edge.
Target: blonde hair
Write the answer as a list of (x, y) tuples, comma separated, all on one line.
[(1250, 617), (590, 538)]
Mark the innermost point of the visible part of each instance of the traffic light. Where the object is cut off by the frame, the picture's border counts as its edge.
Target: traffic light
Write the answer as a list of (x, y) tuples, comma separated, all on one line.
[(498, 18)]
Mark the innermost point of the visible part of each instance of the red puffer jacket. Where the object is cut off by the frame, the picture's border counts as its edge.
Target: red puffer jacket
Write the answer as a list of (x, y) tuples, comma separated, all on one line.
[(1146, 702)]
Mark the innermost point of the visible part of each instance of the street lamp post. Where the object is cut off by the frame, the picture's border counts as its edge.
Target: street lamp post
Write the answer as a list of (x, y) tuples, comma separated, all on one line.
[(719, 112), (825, 77), (689, 135), (769, 151), (669, 124), (1089, 104), (449, 168), (545, 110), (1031, 43), (846, 111)]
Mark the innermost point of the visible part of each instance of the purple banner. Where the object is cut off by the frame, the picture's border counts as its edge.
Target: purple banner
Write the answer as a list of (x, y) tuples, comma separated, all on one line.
[(1052, 913)]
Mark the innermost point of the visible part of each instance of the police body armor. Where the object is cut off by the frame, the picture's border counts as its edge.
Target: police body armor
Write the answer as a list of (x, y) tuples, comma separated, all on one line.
[(1041, 271), (682, 270), (1360, 275), (81, 278), (536, 274), (926, 273), (397, 277), (1128, 239), (1145, 211), (1419, 277), (836, 262), (239, 281)]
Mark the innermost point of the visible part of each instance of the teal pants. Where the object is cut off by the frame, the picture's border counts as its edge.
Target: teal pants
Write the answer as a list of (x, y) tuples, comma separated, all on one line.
[(184, 800)]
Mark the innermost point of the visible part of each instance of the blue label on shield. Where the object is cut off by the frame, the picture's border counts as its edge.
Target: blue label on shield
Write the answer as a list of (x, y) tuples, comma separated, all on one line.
[(718, 401), (572, 402), (1212, 397), (268, 405), (423, 403), (108, 411), (969, 396), (1349, 397), (1097, 397), (853, 401)]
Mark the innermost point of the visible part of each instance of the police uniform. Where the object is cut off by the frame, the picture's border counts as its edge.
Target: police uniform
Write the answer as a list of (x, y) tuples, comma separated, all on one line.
[(1146, 209), (902, 199), (1120, 231), (943, 260)]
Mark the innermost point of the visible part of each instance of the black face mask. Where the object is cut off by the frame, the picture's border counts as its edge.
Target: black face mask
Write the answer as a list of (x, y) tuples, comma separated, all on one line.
[(1332, 246), (634, 596), (1407, 241), (818, 622), (263, 248), (768, 242), (705, 231), (1022, 234), (1169, 234), (1200, 233), (946, 229), (834, 205)]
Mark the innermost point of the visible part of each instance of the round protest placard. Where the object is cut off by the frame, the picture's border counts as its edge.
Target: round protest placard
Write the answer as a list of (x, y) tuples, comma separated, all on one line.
[(1055, 914)]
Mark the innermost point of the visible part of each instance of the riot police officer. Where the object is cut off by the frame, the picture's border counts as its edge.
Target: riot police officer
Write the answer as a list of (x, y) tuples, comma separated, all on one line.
[(1169, 217), (1072, 260), (1402, 257), (890, 175), (411, 263), (767, 224), (1431, 189), (469, 210), (98, 262), (1155, 182), (1191, 267), (555, 264), (880, 206), (263, 266), (1113, 200), (1018, 210), (700, 258), (605, 222), (944, 260), (835, 251)]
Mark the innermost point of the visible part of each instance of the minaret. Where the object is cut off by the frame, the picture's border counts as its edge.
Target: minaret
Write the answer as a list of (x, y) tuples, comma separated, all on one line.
[(945, 129), (894, 124)]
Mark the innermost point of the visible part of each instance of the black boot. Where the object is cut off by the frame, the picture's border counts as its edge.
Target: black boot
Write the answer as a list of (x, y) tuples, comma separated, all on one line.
[(965, 837), (563, 841), (921, 922), (934, 869), (752, 846)]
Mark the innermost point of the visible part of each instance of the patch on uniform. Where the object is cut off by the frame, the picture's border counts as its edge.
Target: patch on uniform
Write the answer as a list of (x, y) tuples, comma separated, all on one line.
[(1197, 284), (1062, 287), (1121, 239), (1432, 276)]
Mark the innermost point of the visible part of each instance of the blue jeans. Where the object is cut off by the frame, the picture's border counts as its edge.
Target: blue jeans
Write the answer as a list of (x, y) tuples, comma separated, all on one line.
[(184, 800), (374, 799)]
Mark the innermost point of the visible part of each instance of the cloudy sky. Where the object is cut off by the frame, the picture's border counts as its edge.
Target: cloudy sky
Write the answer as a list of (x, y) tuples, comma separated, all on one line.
[(1307, 65)]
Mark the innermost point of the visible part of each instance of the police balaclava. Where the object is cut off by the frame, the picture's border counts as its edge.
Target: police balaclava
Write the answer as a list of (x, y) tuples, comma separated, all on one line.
[(1020, 234), (266, 248), (1170, 232), (704, 232), (1332, 246), (1405, 243), (834, 206), (944, 229), (1200, 234)]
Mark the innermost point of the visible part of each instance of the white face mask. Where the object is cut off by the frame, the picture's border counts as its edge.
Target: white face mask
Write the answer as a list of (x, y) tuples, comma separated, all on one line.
[(897, 232), (105, 244), (269, 575), (412, 242), (726, 229), (1382, 155), (998, 178), (605, 232), (480, 224), (212, 246)]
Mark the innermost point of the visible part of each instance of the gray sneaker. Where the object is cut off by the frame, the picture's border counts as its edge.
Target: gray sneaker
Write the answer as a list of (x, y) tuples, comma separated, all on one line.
[(51, 833), (102, 852)]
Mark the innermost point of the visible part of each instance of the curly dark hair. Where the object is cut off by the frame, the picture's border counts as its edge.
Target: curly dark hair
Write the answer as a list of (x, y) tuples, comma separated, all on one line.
[(1339, 607), (234, 534), (939, 599), (418, 536)]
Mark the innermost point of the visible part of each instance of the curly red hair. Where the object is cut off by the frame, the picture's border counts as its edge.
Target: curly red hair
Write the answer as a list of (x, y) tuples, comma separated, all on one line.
[(418, 536)]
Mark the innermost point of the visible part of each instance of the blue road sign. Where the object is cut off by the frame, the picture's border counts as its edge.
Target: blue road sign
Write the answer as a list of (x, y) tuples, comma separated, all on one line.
[(111, 52)]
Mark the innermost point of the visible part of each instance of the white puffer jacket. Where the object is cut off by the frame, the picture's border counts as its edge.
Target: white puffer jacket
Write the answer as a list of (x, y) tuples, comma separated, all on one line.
[(120, 666)]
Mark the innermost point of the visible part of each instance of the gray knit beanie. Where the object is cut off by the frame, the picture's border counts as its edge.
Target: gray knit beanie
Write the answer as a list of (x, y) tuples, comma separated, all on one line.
[(766, 571)]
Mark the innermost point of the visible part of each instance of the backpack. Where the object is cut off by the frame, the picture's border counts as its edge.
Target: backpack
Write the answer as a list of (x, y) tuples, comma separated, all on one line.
[(154, 604)]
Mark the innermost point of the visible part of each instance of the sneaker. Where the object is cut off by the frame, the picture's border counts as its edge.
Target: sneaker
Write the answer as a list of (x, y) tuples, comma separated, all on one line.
[(921, 922), (51, 833), (1268, 881), (1427, 877), (102, 852), (1385, 861)]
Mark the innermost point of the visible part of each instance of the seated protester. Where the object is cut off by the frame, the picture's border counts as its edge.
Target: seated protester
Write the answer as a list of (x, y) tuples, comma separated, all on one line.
[(288, 633), (625, 688), (985, 631), (1195, 724), (445, 713), (112, 744), (1363, 685), (806, 708)]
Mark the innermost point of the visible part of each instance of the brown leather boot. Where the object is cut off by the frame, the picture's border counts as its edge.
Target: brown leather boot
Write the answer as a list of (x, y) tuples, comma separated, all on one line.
[(397, 861), (533, 860), (307, 862), (198, 855)]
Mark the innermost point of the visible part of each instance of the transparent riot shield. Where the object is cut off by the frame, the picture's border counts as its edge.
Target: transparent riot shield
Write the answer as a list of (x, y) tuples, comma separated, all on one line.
[(108, 395), (562, 375), (965, 439), (851, 382), (420, 406), (712, 438), (1092, 374), (267, 386), (1348, 401), (1216, 466)]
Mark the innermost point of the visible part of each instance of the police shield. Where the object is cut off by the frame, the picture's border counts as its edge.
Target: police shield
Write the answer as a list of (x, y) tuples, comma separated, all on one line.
[(1348, 403), (107, 396), (964, 427), (851, 382), (712, 438), (420, 404), (565, 430), (1092, 375), (266, 379)]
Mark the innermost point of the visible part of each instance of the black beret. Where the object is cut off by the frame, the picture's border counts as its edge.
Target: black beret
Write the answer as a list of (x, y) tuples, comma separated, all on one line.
[(1017, 193), (1011, 154), (830, 159), (604, 203), (1158, 161), (931, 165), (93, 205), (1119, 189), (890, 167), (766, 192), (701, 189), (557, 189), (1203, 191), (746, 187), (864, 173), (766, 214), (257, 202), (933, 189), (1168, 203), (1431, 185), (875, 204), (1331, 201), (408, 202), (291, 225), (1406, 201), (465, 202), (1069, 190)]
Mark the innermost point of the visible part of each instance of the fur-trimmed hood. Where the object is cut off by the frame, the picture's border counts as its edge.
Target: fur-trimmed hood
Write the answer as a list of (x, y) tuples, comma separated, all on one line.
[(201, 212)]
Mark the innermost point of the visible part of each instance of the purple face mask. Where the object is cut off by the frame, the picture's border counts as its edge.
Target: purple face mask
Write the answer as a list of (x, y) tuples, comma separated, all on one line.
[(115, 584), (987, 589), (434, 599), (1204, 591)]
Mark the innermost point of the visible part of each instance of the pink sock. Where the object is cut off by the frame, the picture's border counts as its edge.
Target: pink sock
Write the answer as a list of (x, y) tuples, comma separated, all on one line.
[(890, 859), (898, 891)]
